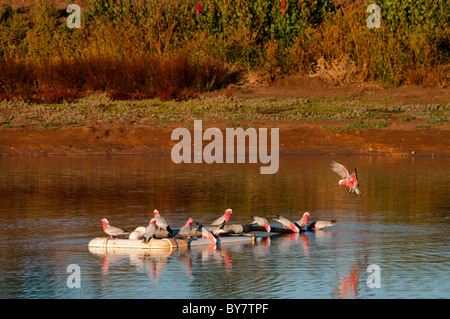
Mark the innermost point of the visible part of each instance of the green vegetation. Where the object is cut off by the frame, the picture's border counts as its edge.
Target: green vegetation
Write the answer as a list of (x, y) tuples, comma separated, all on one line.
[(102, 109), (178, 49)]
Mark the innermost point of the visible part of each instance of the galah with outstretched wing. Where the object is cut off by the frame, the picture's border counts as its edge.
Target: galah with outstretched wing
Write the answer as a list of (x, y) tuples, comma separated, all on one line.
[(150, 230), (112, 231), (223, 219), (261, 221), (185, 231), (161, 223), (287, 224), (348, 180)]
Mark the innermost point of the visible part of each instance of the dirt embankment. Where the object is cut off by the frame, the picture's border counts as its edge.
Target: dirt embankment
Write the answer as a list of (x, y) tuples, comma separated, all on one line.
[(294, 139), (402, 136)]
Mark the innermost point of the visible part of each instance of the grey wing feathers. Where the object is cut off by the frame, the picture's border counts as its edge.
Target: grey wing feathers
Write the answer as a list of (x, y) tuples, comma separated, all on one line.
[(339, 169), (218, 221), (114, 231), (259, 220), (321, 224), (149, 233)]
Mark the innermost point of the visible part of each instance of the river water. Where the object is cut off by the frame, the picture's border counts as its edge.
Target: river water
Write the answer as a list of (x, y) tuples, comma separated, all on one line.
[(50, 208)]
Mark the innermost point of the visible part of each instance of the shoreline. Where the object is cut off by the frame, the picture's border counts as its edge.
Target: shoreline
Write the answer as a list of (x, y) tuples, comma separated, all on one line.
[(127, 140), (312, 118)]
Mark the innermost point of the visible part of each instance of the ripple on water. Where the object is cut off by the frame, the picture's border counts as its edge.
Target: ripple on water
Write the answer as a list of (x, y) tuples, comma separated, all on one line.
[(51, 208)]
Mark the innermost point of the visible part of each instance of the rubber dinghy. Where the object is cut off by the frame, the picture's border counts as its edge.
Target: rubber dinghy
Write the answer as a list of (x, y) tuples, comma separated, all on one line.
[(169, 243)]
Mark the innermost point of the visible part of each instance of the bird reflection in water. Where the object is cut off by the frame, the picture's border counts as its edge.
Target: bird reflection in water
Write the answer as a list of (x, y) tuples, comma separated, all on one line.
[(155, 261)]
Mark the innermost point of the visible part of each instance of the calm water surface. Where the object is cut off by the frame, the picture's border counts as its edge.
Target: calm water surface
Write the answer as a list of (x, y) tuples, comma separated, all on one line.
[(50, 208)]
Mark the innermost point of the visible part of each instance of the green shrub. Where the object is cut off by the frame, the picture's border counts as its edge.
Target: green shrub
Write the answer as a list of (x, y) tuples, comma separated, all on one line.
[(289, 36), (13, 30)]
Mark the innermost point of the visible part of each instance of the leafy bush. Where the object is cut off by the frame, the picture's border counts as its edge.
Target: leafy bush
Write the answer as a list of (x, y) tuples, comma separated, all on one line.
[(135, 51)]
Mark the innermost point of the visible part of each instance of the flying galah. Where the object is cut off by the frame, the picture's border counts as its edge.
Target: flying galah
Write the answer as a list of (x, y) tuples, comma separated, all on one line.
[(150, 230), (223, 219), (261, 221), (185, 231), (348, 180), (287, 224), (161, 222), (112, 231)]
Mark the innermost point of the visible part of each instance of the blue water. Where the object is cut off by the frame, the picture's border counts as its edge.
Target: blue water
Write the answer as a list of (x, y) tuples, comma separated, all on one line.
[(50, 208)]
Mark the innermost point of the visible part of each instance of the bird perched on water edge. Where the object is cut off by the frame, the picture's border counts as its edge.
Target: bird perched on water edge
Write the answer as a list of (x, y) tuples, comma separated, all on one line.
[(315, 225), (261, 221), (209, 235), (112, 231), (185, 231), (302, 222), (161, 223), (320, 224), (348, 180), (287, 223), (150, 230)]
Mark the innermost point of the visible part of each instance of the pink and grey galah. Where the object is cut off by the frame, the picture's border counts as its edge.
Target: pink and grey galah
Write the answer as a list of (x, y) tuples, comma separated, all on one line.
[(209, 235), (320, 224), (223, 219), (150, 230), (315, 225), (302, 222), (112, 231), (161, 223), (261, 221), (351, 181), (287, 224), (185, 231)]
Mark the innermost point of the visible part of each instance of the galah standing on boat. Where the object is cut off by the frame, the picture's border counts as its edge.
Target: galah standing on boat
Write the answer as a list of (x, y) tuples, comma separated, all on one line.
[(185, 231), (224, 218), (348, 180), (287, 224), (150, 230), (161, 222), (261, 221), (209, 235), (112, 231)]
